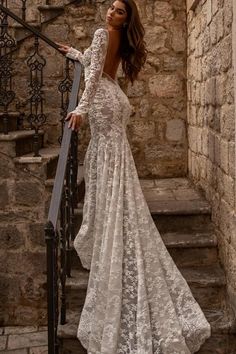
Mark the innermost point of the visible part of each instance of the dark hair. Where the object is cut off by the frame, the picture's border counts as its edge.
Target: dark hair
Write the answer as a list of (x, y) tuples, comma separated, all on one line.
[(133, 47)]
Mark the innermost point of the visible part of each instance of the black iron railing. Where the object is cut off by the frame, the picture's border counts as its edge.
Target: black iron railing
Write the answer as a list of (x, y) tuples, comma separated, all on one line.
[(59, 229), (36, 62)]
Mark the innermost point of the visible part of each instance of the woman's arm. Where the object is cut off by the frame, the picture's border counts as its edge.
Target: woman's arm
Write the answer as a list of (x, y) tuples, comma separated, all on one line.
[(75, 55), (98, 55)]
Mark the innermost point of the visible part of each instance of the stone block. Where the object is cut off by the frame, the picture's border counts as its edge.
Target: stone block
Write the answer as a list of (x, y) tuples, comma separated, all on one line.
[(224, 156), (227, 122), (17, 351), (4, 196), (229, 87), (228, 16), (211, 148), (220, 89), (213, 31), (228, 186), (224, 53), (208, 8), (164, 85), (20, 329), (3, 342), (206, 40), (210, 91), (232, 167), (28, 193), (156, 39), (175, 130), (27, 340), (6, 167), (142, 131), (36, 235), (39, 350), (178, 39), (220, 25), (214, 7), (11, 237), (163, 12), (18, 262), (137, 89), (205, 142), (192, 138), (217, 151)]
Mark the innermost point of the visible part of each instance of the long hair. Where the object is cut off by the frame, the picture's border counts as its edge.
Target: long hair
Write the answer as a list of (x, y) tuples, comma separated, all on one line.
[(133, 47)]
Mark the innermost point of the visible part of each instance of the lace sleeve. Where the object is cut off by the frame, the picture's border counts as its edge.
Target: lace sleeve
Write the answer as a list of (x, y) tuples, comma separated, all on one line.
[(98, 55), (75, 55)]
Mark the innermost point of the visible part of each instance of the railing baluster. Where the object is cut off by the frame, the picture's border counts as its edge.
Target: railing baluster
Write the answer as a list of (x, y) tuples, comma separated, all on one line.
[(37, 118), (23, 10), (64, 88), (7, 43)]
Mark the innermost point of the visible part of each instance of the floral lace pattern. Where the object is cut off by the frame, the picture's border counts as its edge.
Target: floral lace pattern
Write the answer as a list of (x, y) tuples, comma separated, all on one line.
[(137, 300)]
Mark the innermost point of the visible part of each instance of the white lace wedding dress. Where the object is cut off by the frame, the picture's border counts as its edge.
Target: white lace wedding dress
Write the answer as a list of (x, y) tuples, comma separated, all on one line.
[(137, 300)]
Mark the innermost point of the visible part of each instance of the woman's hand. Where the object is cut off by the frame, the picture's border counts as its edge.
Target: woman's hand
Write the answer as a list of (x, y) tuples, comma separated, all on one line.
[(75, 121), (63, 48)]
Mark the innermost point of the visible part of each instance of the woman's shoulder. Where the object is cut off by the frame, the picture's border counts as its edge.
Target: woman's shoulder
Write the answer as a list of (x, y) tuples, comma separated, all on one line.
[(101, 32)]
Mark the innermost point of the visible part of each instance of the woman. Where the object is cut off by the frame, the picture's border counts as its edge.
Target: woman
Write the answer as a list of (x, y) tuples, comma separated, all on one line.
[(137, 300)]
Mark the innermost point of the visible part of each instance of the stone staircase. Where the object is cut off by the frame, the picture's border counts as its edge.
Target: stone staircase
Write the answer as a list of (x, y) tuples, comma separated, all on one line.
[(183, 218)]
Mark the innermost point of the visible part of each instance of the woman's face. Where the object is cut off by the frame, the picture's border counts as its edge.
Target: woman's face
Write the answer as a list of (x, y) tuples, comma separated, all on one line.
[(116, 14)]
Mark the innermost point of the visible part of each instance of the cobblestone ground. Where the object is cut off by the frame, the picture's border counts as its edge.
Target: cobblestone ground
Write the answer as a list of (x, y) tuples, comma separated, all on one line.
[(23, 340)]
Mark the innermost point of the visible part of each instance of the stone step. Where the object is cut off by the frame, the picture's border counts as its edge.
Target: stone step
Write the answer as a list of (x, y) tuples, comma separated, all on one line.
[(186, 249), (222, 340), (206, 283), (175, 205), (18, 143), (45, 165), (13, 121)]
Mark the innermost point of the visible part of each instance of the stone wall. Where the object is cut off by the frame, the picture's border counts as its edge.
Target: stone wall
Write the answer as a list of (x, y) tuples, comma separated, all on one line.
[(211, 119), (23, 206), (156, 131)]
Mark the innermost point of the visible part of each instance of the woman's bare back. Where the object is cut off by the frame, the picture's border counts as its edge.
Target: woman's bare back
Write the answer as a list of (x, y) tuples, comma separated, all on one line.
[(113, 58)]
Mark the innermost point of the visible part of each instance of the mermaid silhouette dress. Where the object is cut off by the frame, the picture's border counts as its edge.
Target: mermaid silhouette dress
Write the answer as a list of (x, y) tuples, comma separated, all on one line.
[(137, 300)]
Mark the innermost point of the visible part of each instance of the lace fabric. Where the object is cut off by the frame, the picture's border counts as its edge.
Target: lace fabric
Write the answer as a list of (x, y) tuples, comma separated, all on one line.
[(137, 300)]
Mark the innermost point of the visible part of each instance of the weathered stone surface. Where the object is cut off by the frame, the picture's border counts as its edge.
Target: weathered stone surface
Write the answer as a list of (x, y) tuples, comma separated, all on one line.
[(163, 85), (175, 130), (19, 329), (39, 350), (28, 193), (11, 238), (4, 196), (16, 341), (216, 172), (37, 235), (3, 342)]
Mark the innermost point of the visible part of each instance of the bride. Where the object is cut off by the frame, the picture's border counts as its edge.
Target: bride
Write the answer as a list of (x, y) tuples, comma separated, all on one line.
[(137, 300)]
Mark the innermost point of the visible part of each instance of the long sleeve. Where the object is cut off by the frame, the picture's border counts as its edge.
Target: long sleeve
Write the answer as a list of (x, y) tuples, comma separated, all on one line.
[(75, 55), (98, 54)]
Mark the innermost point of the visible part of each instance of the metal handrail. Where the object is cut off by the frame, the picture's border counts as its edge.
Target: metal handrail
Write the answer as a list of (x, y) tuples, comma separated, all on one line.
[(30, 28), (65, 145)]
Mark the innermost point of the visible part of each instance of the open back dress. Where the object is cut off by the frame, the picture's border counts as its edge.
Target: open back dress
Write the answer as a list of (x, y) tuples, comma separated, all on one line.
[(137, 300)]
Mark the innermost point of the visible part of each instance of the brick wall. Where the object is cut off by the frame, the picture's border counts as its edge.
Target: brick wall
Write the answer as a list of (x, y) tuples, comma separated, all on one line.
[(211, 119)]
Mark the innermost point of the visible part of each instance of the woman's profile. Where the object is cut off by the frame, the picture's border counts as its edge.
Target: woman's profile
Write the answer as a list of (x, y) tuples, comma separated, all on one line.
[(137, 300)]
